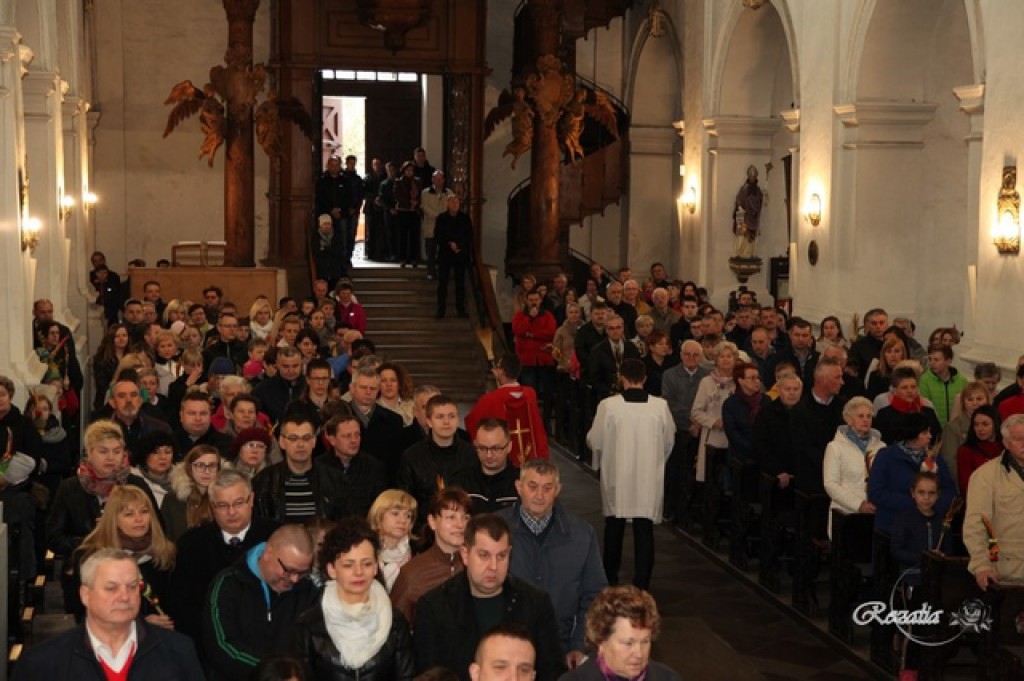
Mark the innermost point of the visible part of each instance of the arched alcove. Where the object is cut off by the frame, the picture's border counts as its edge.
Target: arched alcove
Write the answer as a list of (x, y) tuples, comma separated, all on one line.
[(905, 152), (753, 83), (654, 98), (757, 79)]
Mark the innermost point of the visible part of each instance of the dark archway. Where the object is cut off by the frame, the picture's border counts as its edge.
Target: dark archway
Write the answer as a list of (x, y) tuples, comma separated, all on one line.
[(309, 34)]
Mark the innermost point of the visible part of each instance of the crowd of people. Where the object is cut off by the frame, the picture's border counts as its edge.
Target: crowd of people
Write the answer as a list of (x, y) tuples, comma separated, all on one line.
[(266, 492), (282, 489), (879, 422), (409, 215)]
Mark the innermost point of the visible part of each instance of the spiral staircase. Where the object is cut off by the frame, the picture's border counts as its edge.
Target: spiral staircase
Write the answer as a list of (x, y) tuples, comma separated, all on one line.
[(586, 186)]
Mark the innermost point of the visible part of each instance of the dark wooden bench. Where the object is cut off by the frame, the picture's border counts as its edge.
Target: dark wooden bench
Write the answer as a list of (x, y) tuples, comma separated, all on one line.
[(811, 545), (717, 500), (777, 531), (746, 512), (947, 585), (851, 573), (885, 575)]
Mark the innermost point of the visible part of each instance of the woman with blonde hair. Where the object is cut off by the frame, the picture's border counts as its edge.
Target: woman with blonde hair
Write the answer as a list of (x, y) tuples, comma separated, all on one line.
[(712, 392), (391, 517), (81, 499), (954, 434), (130, 523), (877, 378), (261, 321), (175, 311), (187, 505)]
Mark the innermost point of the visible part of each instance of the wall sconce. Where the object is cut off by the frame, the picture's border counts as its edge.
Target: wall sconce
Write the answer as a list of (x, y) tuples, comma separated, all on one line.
[(690, 200), (67, 203), (1006, 235), (90, 199), (682, 170), (812, 211), (30, 234)]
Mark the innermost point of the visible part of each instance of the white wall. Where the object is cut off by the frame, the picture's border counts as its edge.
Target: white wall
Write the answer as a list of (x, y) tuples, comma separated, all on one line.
[(153, 190)]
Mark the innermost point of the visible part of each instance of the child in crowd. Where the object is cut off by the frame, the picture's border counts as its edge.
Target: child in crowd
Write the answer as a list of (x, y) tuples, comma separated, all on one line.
[(917, 530), (256, 366)]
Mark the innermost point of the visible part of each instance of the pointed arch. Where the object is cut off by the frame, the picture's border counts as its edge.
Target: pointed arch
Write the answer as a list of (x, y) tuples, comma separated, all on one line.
[(727, 33)]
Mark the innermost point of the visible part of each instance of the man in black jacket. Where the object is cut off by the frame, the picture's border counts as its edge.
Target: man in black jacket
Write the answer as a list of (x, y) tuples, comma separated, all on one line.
[(277, 392), (451, 618), (606, 359), (227, 344), (252, 605), (112, 642), (362, 475), (453, 238), (814, 422), (196, 427), (205, 550), (298, 488), (436, 462), (491, 484)]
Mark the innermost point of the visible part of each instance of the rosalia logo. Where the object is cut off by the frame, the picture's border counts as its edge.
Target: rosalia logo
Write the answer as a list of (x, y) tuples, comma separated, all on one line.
[(973, 616)]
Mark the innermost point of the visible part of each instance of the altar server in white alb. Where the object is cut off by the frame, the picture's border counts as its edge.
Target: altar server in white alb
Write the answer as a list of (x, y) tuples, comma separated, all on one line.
[(631, 438)]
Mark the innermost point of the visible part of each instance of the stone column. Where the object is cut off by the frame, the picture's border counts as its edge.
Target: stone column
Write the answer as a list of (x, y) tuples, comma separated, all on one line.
[(972, 103), (653, 184), (44, 145), (15, 266)]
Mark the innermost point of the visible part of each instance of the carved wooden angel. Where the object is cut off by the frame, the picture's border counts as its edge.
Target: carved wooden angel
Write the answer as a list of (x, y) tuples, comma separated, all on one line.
[(593, 103), (189, 100), (231, 93), (269, 128), (513, 104)]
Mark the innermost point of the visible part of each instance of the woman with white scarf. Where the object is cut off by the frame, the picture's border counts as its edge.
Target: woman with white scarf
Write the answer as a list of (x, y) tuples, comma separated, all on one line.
[(354, 632)]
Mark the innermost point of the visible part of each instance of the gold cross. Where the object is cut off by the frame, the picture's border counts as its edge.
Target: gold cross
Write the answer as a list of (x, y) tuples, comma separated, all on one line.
[(518, 432)]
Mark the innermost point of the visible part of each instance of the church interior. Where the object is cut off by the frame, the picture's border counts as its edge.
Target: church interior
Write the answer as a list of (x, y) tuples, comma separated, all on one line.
[(882, 133)]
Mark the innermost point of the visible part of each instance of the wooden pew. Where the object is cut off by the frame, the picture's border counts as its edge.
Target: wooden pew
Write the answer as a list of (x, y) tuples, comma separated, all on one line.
[(777, 531), (947, 585), (746, 511), (716, 499), (885, 573), (812, 515), (850, 577)]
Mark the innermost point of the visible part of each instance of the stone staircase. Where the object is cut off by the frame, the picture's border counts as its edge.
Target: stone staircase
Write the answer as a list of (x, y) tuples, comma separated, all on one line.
[(400, 306)]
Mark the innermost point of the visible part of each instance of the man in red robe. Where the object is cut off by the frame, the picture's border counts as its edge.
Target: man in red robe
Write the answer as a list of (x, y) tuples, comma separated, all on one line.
[(516, 405)]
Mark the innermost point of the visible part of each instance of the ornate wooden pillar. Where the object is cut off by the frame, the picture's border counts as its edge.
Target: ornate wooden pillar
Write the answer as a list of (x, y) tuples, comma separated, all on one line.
[(239, 211), (293, 72), (546, 256)]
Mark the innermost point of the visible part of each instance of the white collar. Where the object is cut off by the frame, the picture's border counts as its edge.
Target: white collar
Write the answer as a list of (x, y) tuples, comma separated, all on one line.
[(241, 535), (115, 660)]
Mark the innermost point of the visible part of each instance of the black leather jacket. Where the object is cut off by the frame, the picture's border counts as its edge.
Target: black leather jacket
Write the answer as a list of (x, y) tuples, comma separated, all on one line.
[(314, 647), (328, 491)]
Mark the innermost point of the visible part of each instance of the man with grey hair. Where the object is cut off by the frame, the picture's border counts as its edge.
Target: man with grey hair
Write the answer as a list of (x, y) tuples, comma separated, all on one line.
[(252, 606), (663, 315), (112, 642), (205, 550), (607, 357), (679, 388), (555, 551), (996, 501), (382, 431)]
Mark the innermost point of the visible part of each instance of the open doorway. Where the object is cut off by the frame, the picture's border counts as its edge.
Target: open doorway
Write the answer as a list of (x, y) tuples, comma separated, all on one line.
[(369, 114)]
